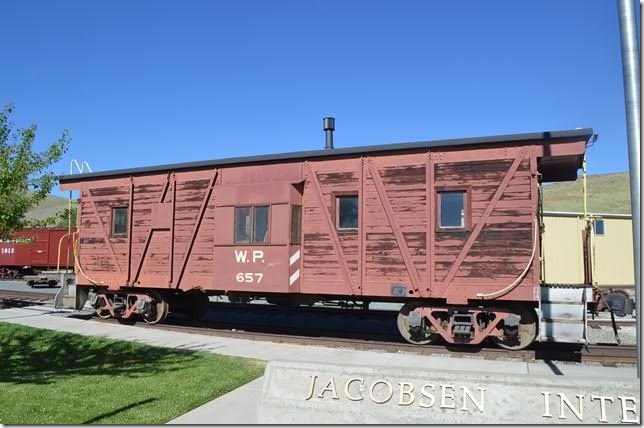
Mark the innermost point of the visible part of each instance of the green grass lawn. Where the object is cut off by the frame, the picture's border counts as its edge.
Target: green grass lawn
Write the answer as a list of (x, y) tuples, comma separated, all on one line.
[(49, 377), (607, 193)]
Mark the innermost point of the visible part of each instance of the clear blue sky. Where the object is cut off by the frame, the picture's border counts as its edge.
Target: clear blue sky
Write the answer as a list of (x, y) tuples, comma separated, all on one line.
[(149, 82)]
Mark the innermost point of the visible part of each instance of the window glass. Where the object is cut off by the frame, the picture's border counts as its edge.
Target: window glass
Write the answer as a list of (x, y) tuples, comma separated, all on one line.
[(119, 221), (296, 224), (452, 210), (599, 227), (242, 225), (347, 212), (260, 227)]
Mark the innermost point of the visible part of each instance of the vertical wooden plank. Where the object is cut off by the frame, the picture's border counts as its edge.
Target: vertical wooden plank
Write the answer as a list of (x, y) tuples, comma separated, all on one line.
[(129, 230), (362, 227), (431, 228), (534, 203), (174, 207)]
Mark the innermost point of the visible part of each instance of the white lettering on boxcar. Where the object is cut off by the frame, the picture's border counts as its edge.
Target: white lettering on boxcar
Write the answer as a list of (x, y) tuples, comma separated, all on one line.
[(240, 256)]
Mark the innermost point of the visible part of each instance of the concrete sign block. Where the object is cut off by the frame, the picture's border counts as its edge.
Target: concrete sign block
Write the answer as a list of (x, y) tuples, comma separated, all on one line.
[(303, 393)]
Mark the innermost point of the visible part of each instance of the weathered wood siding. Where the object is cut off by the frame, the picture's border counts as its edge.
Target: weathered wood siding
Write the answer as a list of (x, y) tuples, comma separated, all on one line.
[(181, 220)]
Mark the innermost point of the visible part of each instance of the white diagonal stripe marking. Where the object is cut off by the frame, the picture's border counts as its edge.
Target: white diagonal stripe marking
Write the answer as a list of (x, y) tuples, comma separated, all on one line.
[(295, 257), (294, 277)]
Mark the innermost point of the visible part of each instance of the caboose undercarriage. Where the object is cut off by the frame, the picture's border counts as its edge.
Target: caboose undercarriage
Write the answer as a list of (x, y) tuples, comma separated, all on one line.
[(512, 325)]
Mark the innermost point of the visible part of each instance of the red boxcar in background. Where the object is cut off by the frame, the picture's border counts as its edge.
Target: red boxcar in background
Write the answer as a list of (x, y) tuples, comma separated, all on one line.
[(39, 253)]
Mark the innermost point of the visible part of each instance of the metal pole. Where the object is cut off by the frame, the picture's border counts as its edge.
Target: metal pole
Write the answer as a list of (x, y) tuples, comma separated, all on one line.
[(631, 71)]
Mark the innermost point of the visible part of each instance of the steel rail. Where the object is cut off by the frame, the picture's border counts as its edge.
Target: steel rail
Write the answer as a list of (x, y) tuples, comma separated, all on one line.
[(605, 354)]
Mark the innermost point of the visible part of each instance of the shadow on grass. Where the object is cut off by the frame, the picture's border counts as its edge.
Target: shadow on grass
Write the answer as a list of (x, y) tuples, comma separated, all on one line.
[(40, 356), (119, 410)]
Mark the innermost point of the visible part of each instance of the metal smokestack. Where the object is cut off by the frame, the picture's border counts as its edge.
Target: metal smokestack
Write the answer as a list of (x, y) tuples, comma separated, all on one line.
[(329, 127)]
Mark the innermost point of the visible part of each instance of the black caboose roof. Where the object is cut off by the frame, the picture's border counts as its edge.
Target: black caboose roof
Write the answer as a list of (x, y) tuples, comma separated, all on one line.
[(549, 137)]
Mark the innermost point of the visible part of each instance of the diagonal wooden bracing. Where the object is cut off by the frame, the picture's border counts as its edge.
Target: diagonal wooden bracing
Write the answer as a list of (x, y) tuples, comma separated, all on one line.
[(486, 214), (202, 211), (148, 238), (391, 218), (330, 228), (106, 236)]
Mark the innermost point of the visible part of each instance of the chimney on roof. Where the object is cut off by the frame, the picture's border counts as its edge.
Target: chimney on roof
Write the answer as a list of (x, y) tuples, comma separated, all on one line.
[(329, 127)]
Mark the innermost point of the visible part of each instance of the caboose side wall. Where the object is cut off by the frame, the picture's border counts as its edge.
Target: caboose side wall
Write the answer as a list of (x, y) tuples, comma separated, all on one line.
[(180, 230), (390, 249)]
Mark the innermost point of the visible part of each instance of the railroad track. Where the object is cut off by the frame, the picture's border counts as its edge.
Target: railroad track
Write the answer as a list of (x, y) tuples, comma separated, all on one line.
[(9, 298), (620, 322), (604, 354), (610, 354), (381, 340)]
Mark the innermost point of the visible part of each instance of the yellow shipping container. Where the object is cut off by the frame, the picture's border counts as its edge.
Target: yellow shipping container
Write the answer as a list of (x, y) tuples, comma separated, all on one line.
[(612, 249)]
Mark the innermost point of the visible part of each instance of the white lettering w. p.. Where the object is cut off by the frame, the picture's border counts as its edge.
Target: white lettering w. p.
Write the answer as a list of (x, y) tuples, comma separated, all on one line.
[(240, 256)]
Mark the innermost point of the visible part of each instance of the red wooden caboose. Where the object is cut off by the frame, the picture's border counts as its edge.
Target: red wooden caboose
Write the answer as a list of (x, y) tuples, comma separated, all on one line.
[(450, 228)]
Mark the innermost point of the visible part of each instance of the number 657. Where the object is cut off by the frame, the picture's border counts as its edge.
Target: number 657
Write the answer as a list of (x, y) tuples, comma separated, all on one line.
[(249, 277)]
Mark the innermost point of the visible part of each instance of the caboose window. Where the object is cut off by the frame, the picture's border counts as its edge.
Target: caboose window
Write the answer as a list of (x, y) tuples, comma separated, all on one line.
[(347, 207), (296, 224), (251, 225), (119, 221), (452, 210), (243, 224), (260, 225)]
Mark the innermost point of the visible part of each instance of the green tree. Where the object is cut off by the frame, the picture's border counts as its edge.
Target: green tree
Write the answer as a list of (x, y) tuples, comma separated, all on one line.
[(60, 219), (25, 179)]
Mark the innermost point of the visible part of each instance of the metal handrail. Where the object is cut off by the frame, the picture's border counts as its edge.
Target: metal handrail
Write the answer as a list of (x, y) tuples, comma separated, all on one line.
[(60, 241)]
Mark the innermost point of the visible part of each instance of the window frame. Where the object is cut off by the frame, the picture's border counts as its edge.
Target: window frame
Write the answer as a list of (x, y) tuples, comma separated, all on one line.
[(250, 233), (251, 240), (113, 228), (336, 210), (467, 208), (603, 227), (268, 225), (290, 229)]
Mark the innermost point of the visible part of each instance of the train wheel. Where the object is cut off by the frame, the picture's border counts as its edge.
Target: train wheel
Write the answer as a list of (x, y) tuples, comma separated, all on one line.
[(526, 334), (160, 308), (418, 336), (102, 310), (103, 313), (196, 304)]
